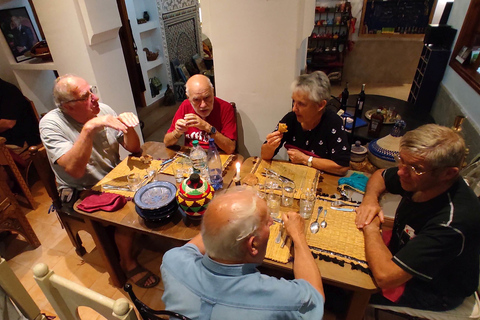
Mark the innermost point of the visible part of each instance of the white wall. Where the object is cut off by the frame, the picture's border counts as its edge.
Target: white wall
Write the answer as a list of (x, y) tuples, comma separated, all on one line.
[(259, 48), (466, 97)]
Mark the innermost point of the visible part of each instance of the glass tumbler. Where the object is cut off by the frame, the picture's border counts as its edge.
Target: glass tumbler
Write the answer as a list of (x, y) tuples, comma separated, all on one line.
[(178, 171), (307, 202), (288, 192), (273, 187), (133, 181)]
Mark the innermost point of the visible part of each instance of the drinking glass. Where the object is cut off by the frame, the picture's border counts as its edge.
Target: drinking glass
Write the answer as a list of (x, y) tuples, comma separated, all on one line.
[(273, 187), (133, 181), (260, 189), (178, 171), (288, 191), (307, 202)]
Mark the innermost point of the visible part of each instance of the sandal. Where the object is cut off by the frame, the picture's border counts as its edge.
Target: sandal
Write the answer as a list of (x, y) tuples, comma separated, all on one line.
[(141, 282)]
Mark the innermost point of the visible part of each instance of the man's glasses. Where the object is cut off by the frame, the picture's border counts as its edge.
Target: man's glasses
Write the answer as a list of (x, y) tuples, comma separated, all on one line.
[(410, 168), (92, 90)]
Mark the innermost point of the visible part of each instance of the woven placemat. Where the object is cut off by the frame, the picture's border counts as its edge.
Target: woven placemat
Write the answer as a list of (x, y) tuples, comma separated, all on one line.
[(275, 251), (226, 160), (341, 238), (303, 176), (118, 176)]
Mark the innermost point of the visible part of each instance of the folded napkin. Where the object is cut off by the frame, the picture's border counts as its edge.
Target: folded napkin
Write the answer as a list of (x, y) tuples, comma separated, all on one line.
[(308, 153), (103, 201), (357, 181)]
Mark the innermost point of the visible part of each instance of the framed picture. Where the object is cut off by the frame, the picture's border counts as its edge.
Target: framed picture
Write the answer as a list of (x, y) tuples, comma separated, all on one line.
[(183, 73), (463, 55), (17, 28)]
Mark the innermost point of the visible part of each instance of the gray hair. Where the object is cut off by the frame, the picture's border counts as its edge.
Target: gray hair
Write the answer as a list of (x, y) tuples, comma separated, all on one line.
[(225, 239), (440, 146), (64, 90), (209, 84), (316, 84)]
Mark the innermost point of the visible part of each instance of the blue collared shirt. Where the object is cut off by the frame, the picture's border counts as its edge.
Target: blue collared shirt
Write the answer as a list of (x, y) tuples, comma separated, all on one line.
[(200, 288)]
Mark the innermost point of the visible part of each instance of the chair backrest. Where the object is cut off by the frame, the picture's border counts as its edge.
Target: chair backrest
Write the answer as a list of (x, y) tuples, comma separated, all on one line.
[(14, 289), (146, 312), (66, 297), (45, 172)]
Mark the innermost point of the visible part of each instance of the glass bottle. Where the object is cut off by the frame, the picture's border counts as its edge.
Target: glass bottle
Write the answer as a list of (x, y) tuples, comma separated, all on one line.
[(359, 106), (376, 123), (214, 165), (344, 98)]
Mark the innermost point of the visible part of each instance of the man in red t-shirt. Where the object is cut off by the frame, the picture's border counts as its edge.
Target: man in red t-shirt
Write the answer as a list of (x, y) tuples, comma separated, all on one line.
[(203, 116)]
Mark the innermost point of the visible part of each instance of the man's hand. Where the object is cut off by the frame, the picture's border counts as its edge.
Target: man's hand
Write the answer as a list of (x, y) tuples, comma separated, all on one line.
[(367, 212), (274, 139), (297, 156), (181, 126), (373, 226), (108, 120), (129, 119), (294, 224), (194, 120)]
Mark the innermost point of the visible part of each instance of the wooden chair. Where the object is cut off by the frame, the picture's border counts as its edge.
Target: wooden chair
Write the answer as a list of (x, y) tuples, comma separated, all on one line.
[(147, 313), (11, 216), (66, 297), (6, 159), (14, 290), (71, 222)]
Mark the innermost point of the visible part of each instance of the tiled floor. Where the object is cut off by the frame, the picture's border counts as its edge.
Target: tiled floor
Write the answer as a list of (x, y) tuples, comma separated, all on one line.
[(57, 251)]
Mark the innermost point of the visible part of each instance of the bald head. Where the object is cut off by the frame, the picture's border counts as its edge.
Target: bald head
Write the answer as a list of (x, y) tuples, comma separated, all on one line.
[(229, 221), (199, 91)]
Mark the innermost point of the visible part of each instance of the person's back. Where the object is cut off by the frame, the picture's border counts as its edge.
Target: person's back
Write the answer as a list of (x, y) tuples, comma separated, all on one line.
[(224, 283)]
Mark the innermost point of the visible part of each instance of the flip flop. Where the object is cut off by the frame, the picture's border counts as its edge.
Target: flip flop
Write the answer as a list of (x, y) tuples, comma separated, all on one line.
[(141, 282)]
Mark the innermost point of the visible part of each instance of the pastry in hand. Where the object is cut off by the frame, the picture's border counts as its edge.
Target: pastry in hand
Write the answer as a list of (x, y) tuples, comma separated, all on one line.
[(282, 127)]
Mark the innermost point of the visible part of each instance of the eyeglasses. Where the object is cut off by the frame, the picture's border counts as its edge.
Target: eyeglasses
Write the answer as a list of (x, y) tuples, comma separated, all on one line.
[(92, 90), (410, 168)]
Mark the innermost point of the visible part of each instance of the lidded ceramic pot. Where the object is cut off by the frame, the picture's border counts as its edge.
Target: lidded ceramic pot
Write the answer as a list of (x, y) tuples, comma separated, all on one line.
[(381, 152), (193, 196), (358, 152)]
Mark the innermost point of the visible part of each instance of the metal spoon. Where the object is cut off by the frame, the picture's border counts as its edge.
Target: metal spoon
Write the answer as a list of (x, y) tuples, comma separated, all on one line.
[(339, 203), (315, 225), (323, 224)]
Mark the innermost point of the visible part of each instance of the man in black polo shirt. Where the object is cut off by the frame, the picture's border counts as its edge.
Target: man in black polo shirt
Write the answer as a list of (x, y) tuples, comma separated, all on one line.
[(432, 259), (17, 121)]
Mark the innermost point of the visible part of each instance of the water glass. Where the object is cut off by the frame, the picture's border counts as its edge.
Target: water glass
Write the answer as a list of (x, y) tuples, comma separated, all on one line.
[(273, 204), (307, 202), (288, 191), (133, 181), (260, 189), (178, 171)]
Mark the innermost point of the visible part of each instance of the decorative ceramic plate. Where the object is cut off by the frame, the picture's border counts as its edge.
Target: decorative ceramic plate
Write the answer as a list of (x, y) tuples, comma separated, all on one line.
[(155, 195), (368, 115)]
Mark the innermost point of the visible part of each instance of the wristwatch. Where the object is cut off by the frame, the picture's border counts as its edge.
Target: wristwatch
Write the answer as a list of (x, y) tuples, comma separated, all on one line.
[(213, 130), (309, 162)]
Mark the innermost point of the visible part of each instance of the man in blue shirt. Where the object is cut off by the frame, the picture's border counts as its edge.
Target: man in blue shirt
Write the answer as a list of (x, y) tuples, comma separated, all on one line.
[(214, 276)]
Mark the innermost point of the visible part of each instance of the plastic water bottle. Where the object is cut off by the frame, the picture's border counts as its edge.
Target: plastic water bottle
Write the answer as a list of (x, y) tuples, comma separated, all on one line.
[(199, 158), (214, 165)]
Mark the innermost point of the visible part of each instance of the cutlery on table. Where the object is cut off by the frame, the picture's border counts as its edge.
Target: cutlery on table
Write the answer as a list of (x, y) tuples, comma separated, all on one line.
[(323, 224), (339, 203), (112, 187), (270, 171), (343, 209), (278, 239), (315, 226)]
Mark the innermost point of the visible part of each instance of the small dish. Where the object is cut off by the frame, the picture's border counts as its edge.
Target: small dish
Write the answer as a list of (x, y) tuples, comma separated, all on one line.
[(368, 115), (155, 195)]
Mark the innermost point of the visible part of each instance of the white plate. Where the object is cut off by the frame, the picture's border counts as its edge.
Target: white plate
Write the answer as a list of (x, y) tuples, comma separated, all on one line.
[(368, 115)]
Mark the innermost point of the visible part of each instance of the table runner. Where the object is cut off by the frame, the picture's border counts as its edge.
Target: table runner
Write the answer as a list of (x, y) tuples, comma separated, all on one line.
[(303, 176), (339, 241)]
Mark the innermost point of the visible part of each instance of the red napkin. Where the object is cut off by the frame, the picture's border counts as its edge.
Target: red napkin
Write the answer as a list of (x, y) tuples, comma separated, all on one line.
[(103, 201), (395, 293), (308, 153)]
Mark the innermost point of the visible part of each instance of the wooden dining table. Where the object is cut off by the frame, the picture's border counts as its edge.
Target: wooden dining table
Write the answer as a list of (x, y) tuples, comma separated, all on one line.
[(179, 230)]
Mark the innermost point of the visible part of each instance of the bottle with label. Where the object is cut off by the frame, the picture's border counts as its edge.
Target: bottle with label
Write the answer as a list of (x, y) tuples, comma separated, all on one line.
[(199, 158), (344, 98), (376, 123), (359, 105), (214, 165)]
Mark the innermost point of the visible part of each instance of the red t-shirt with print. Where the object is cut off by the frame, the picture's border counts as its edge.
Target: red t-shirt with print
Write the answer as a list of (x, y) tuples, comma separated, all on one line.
[(222, 118)]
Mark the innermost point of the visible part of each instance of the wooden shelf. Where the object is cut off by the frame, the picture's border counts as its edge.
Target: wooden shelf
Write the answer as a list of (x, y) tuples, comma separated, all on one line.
[(155, 63), (33, 64), (147, 26)]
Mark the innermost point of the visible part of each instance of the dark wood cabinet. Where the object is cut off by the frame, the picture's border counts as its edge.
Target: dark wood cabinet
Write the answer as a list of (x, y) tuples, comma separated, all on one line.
[(428, 76)]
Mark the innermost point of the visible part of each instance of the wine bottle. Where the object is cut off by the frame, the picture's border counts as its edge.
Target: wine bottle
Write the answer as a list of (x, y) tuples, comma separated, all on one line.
[(359, 106), (376, 123), (344, 98)]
